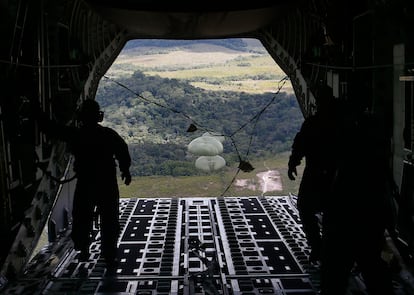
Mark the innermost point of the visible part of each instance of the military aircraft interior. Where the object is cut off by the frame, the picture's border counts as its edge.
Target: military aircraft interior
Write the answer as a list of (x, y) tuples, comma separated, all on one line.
[(54, 53)]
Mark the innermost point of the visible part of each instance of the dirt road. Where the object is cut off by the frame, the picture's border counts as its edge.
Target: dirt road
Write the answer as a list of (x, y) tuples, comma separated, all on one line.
[(268, 181)]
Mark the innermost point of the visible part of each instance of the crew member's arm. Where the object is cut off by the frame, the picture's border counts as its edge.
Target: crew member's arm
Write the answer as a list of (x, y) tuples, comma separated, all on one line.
[(297, 153), (123, 157)]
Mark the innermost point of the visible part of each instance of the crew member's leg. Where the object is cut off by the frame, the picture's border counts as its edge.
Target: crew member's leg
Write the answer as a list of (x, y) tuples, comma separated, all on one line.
[(82, 215), (308, 209)]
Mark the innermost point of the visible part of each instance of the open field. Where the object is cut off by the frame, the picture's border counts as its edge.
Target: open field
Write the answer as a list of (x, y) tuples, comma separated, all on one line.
[(251, 72), (185, 57), (214, 185)]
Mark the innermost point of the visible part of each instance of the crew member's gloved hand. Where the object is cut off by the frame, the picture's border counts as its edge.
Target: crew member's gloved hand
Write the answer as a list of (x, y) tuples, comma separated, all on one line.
[(292, 173), (126, 177)]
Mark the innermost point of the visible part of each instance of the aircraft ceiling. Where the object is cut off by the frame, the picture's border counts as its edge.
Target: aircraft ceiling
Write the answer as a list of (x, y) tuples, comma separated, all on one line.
[(189, 19)]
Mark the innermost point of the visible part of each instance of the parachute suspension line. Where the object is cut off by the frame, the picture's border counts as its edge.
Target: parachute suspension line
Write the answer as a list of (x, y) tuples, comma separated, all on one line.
[(231, 182), (195, 125), (245, 166), (151, 101), (256, 117)]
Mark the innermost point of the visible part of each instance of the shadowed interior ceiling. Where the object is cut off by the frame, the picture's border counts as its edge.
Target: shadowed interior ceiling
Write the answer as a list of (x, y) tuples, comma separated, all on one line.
[(186, 20)]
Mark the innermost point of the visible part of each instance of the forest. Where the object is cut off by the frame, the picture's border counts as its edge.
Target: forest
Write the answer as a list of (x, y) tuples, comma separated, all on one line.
[(153, 114)]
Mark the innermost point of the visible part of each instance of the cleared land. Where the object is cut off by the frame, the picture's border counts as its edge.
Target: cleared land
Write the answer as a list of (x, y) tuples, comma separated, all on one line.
[(213, 185), (230, 70)]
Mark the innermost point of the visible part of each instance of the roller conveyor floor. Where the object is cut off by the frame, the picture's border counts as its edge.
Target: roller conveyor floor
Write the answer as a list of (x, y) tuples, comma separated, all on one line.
[(227, 245)]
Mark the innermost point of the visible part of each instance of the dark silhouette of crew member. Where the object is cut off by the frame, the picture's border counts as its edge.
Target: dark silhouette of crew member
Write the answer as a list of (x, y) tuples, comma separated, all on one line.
[(355, 215), (97, 150), (314, 143)]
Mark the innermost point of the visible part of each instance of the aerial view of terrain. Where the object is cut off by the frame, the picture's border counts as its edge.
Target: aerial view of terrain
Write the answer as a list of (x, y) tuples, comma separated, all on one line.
[(218, 76)]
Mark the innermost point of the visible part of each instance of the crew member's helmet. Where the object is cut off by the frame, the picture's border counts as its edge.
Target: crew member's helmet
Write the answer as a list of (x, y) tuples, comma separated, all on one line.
[(90, 112)]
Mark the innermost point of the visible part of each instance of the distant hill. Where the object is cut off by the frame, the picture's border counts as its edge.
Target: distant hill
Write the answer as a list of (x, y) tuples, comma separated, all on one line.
[(235, 44)]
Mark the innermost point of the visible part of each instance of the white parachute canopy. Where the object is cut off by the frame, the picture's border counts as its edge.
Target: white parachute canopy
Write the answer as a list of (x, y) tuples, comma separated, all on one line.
[(208, 147), (216, 136), (210, 163), (205, 146)]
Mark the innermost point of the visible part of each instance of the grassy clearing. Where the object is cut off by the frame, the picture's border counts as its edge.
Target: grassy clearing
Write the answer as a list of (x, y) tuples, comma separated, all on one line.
[(246, 66), (212, 185), (235, 70), (235, 75), (248, 86)]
